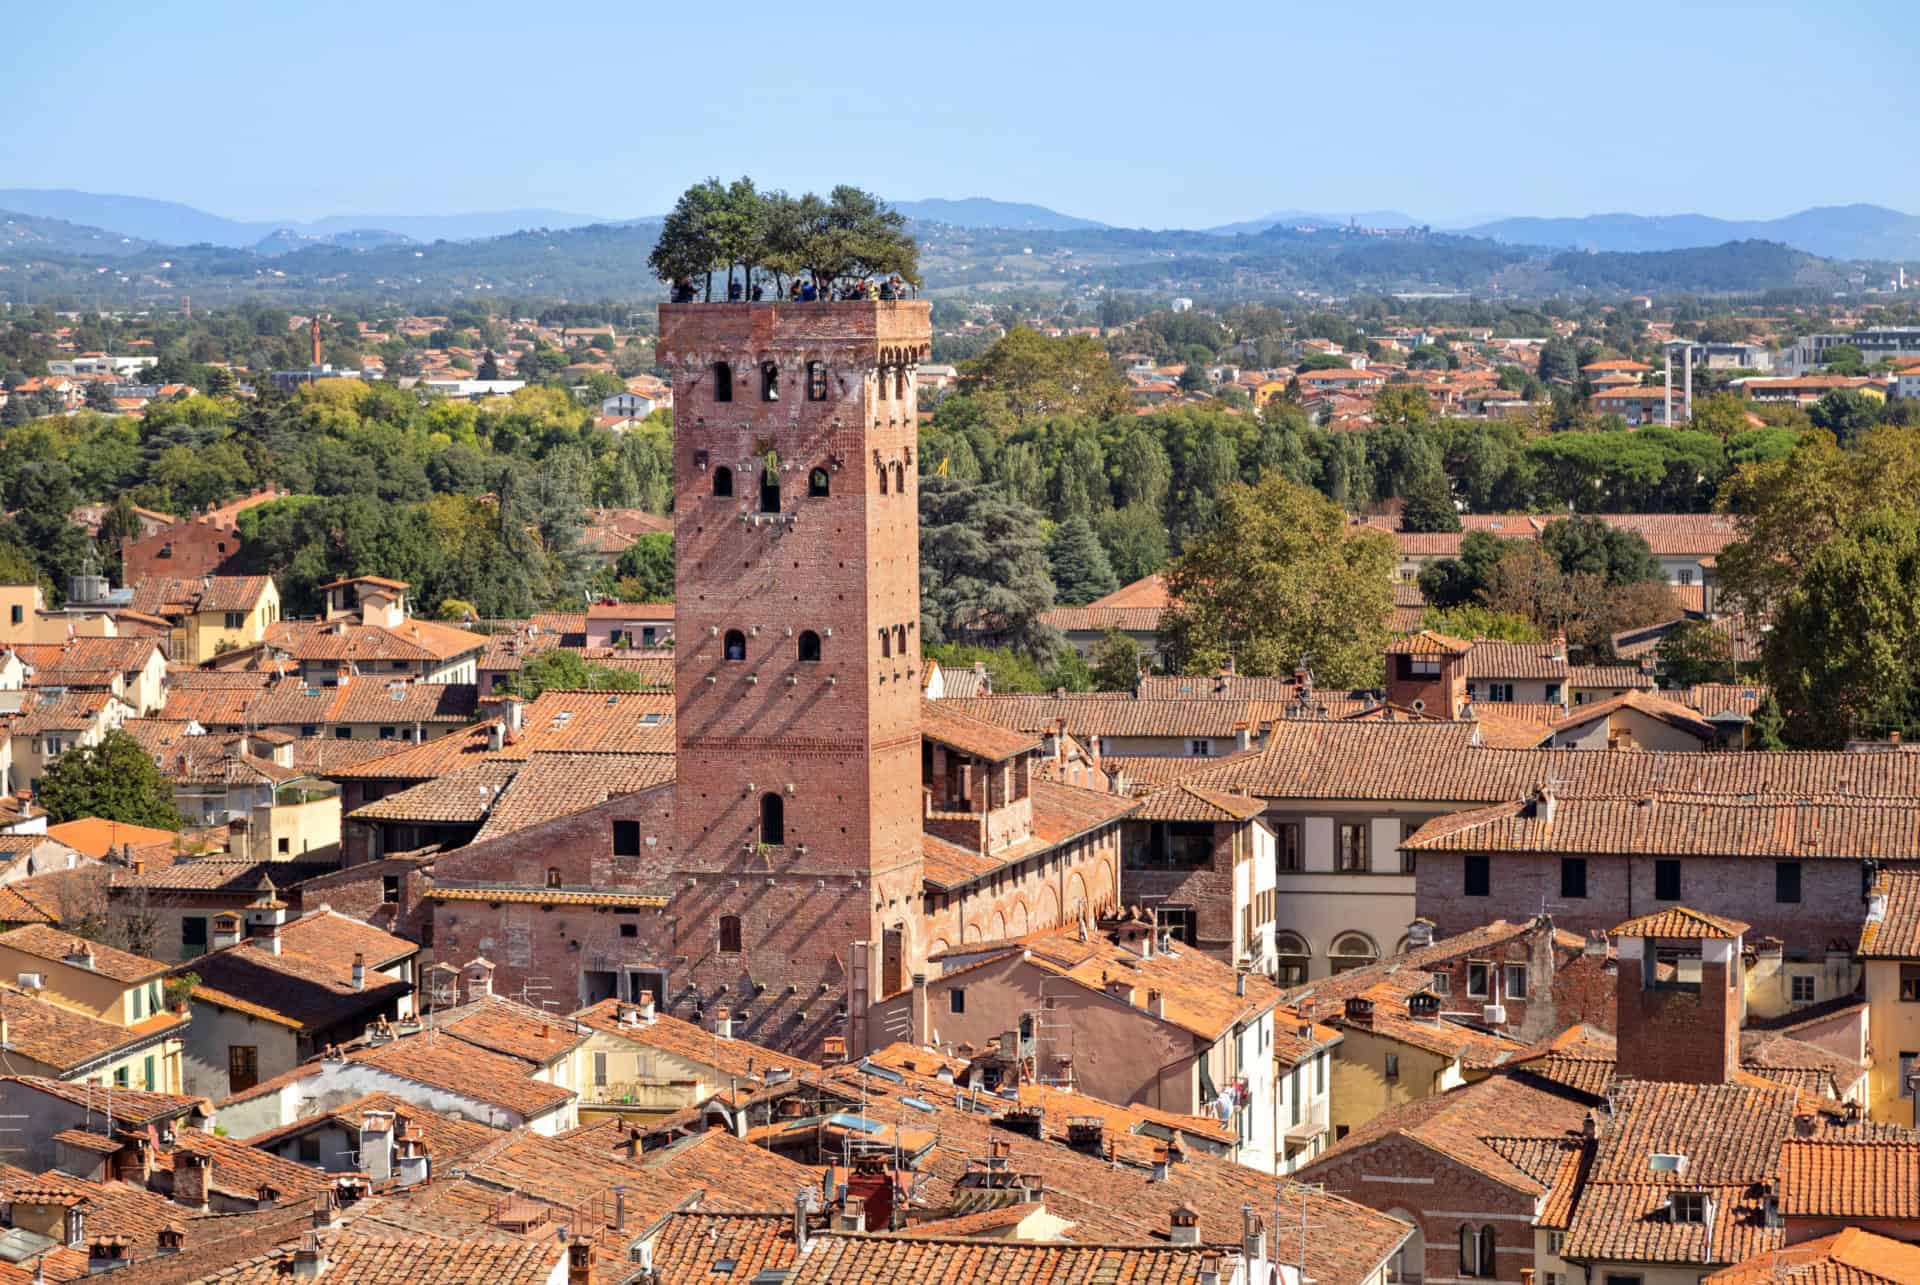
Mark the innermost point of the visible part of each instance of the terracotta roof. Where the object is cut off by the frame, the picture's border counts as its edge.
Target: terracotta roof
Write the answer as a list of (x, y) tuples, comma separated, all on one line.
[(1181, 802), (1848, 1257), (355, 1260), (1148, 591), (223, 874), (1108, 714), (696, 1245), (843, 1258), (1809, 829), (48, 943), (1504, 660), (68, 712), (1678, 922), (939, 721), (1386, 1015), (416, 639), (557, 783), (1654, 707), (1142, 620), (95, 837), (19, 907), (423, 762), (66, 1040), (467, 1070), (1782, 1059), (309, 984), (464, 797), (500, 1024), (1428, 643), (1876, 1179), (1631, 677), (129, 1106), (733, 1057), (1895, 932)]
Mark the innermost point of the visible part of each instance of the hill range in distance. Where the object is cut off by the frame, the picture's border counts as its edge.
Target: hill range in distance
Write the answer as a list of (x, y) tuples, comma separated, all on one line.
[(105, 224)]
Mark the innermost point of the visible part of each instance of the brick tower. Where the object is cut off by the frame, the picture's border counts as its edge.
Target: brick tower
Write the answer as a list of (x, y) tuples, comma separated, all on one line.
[(797, 810)]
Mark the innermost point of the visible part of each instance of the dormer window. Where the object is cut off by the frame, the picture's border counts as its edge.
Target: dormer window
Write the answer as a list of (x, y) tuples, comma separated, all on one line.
[(1423, 1005), (1689, 1207), (1359, 1010)]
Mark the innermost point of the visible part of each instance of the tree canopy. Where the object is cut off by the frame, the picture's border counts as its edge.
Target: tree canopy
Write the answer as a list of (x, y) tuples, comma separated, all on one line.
[(719, 227), (115, 780), (1282, 580)]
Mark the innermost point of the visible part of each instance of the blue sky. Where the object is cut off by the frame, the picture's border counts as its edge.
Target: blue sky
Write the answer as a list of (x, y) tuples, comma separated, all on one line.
[(1145, 115)]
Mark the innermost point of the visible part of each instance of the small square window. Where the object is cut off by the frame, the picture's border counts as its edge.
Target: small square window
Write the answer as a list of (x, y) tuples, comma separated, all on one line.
[(1479, 980), (1786, 881), (1573, 877), (1441, 984), (629, 930), (1910, 983), (957, 999), (1666, 880), (626, 838), (1479, 877), (1804, 988), (1393, 1066)]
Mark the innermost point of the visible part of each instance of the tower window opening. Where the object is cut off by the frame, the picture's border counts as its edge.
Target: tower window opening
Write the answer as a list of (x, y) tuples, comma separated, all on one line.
[(722, 382), (735, 645), (809, 645), (816, 381), (723, 481), (773, 818), (883, 383), (883, 479), (730, 935), (886, 642), (769, 382), (900, 383), (899, 478), (769, 490), (900, 639), (818, 484)]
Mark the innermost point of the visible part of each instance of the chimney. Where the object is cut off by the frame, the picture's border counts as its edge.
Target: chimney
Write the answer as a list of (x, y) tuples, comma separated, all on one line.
[(192, 1178), (1240, 982), (170, 1239), (646, 1008), (106, 1254), (723, 1022), (309, 1260), (270, 939), (1185, 1225), (1242, 736), (801, 1204), (1559, 652), (852, 1214), (415, 1165), (1596, 944), (1253, 1236), (376, 1145), (359, 971), (1157, 1003), (1087, 1133), (580, 1261), (1419, 934), (496, 737), (479, 976), (922, 1013)]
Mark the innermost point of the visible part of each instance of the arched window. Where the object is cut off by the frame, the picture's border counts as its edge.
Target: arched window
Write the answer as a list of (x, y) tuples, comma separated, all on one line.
[(1291, 970), (900, 383), (723, 481), (730, 935), (818, 484), (886, 642), (883, 383), (1476, 1251), (722, 382), (883, 479), (816, 381), (769, 382), (809, 645), (1352, 950), (773, 818), (769, 490), (736, 645), (900, 639), (899, 477)]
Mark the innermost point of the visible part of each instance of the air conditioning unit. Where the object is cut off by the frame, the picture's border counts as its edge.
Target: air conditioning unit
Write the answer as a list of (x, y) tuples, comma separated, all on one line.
[(1494, 1015)]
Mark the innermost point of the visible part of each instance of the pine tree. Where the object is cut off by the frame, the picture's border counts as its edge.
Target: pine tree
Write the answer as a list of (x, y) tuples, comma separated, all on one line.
[(489, 366), (1081, 571)]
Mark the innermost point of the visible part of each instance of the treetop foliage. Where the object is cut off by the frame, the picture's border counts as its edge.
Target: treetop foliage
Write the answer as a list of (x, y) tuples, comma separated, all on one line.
[(718, 227)]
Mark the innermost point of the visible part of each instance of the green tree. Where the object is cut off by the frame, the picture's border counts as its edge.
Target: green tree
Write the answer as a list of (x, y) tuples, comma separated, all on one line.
[(1470, 622), (16, 566), (1428, 504), (1452, 582), (1034, 376), (1282, 580), (489, 366), (1769, 728), (456, 611), (115, 780), (983, 568), (646, 568), (1695, 652), (1116, 662), (1845, 359), (1135, 538), (1081, 572), (1587, 544), (1845, 645), (569, 671), (1846, 413)]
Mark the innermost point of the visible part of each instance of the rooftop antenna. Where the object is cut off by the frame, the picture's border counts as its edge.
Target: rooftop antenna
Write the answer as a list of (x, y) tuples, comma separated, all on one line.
[(1302, 1189)]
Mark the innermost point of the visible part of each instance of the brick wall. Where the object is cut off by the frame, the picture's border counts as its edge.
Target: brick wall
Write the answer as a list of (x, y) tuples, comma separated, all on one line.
[(1438, 1196), (192, 549), (1208, 890), (1030, 895), (1687, 1035), (1831, 907), (838, 739)]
